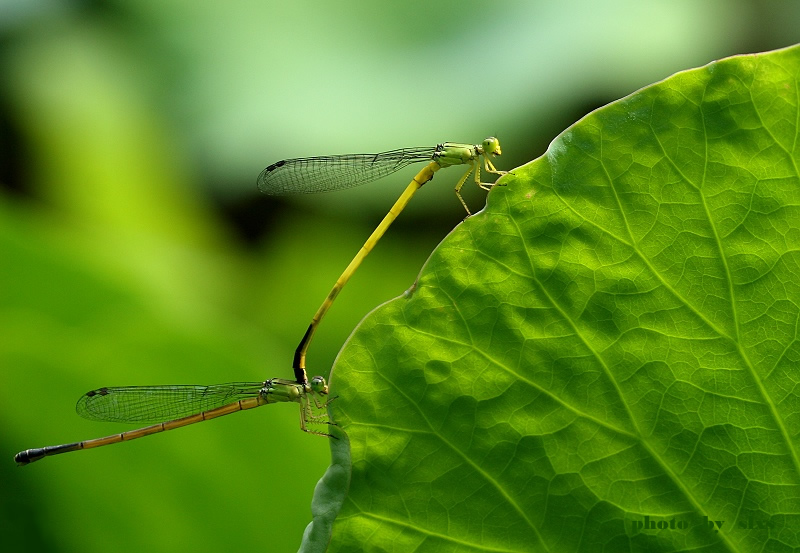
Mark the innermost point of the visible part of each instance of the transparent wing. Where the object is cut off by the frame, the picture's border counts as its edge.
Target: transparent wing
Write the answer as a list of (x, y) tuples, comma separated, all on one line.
[(309, 175), (154, 404)]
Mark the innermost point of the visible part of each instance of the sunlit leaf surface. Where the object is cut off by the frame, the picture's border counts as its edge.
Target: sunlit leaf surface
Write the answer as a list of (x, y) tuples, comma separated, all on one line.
[(605, 358)]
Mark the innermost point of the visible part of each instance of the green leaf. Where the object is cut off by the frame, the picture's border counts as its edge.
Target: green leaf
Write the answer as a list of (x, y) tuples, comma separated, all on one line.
[(606, 357)]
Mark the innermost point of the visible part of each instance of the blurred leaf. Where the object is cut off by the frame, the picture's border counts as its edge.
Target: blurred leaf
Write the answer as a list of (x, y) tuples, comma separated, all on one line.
[(118, 273), (613, 338), (68, 326)]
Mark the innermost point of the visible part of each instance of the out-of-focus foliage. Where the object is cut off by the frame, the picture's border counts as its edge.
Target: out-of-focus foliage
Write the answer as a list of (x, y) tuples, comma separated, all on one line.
[(134, 249)]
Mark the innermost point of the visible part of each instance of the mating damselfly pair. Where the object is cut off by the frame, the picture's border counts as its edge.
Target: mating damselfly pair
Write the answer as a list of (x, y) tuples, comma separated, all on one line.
[(170, 407)]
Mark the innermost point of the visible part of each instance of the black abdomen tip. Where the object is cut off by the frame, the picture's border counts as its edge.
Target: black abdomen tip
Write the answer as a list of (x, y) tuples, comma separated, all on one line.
[(23, 458)]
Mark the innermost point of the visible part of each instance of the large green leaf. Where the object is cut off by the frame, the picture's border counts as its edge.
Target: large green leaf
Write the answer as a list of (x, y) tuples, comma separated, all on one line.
[(606, 357)]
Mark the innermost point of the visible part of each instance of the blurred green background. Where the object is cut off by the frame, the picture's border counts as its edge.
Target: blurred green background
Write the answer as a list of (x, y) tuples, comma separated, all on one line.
[(134, 248)]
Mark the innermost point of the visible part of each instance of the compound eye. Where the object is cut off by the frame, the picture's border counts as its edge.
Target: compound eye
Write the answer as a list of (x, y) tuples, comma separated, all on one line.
[(319, 385)]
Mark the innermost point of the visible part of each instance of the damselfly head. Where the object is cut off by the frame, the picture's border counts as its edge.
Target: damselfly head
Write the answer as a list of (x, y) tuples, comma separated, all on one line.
[(491, 146), (318, 385)]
